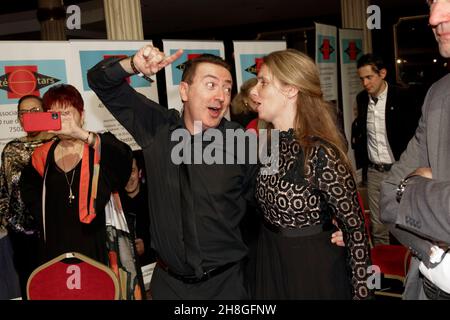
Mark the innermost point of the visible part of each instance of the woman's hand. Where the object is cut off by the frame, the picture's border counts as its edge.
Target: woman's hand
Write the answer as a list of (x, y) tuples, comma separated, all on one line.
[(70, 127)]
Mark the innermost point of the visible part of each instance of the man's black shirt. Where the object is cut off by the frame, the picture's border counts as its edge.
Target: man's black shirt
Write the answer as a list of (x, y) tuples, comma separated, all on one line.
[(219, 191)]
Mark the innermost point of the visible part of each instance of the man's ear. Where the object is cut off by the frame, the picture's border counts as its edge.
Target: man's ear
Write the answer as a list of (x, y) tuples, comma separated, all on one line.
[(184, 90), (383, 73)]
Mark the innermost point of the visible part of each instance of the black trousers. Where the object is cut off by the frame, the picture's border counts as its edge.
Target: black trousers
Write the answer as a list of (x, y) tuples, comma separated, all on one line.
[(228, 285)]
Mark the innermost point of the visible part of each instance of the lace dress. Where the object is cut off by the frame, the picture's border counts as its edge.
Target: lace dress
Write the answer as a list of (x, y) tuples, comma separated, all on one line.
[(292, 262)]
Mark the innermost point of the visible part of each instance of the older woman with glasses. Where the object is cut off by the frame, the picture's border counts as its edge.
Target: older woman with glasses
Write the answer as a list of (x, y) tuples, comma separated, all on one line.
[(15, 220)]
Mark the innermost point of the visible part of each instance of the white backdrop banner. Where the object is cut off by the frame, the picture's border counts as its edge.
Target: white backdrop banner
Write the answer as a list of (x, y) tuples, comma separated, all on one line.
[(326, 60), (32, 67), (174, 71), (86, 54), (248, 57), (27, 67), (350, 50)]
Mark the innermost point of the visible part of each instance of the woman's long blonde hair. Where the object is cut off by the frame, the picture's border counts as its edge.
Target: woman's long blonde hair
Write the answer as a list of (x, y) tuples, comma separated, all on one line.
[(315, 117)]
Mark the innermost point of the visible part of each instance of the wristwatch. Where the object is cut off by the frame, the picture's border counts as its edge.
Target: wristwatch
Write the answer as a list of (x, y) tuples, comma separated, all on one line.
[(402, 185)]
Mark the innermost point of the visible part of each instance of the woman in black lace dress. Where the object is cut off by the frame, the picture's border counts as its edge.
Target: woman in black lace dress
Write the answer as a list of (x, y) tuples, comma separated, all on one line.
[(313, 185)]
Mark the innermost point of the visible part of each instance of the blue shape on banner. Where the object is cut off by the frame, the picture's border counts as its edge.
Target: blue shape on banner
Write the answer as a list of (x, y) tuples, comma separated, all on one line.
[(188, 54), (90, 58), (352, 50), (22, 77), (327, 49), (250, 64)]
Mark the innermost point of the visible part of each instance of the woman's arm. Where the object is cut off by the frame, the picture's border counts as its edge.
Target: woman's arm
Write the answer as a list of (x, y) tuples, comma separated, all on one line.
[(337, 183)]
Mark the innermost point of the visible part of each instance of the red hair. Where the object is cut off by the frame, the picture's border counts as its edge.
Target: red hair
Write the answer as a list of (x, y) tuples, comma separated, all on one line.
[(64, 94)]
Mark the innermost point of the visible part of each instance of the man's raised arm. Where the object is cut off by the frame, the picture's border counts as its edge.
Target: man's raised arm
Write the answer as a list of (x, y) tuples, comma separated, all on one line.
[(139, 115)]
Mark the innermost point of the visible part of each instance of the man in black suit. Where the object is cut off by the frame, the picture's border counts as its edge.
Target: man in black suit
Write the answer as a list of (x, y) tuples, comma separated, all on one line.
[(386, 121)]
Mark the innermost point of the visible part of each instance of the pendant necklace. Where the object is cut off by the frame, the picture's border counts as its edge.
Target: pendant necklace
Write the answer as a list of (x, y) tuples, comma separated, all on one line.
[(71, 195)]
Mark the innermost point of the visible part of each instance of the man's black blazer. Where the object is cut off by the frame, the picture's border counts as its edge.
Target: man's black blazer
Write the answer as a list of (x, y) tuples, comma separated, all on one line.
[(402, 117)]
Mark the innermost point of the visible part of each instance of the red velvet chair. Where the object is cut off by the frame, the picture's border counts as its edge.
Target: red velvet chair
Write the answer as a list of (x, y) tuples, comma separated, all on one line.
[(393, 261), (73, 276)]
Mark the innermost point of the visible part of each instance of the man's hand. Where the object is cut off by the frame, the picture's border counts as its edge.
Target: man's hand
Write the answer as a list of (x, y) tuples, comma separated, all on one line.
[(338, 238), (149, 60), (424, 172)]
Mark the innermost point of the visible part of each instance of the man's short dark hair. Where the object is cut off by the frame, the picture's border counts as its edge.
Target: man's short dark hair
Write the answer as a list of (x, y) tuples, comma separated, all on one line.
[(371, 60), (139, 157), (191, 65), (28, 96)]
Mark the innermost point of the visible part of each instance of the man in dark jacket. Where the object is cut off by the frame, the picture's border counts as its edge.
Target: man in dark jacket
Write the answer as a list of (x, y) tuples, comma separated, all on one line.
[(386, 121)]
